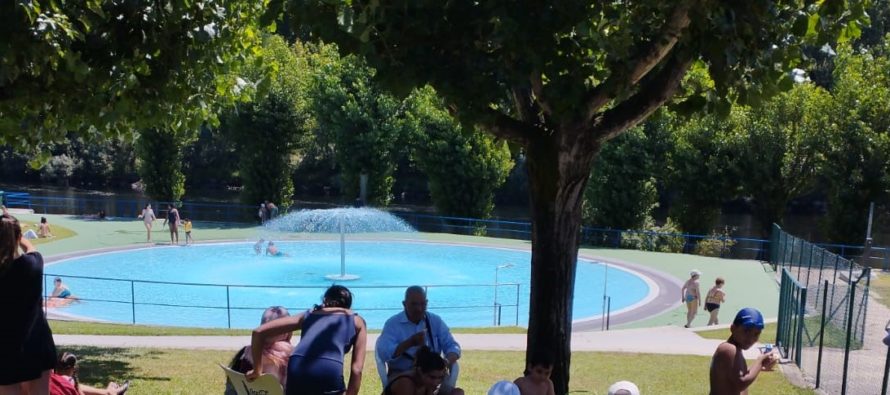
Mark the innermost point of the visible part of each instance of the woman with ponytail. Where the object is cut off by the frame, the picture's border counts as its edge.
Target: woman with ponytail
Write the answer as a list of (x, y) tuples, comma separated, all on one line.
[(27, 350), (328, 332)]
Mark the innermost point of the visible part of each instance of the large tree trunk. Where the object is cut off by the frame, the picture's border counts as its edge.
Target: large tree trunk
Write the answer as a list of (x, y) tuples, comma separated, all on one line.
[(558, 167)]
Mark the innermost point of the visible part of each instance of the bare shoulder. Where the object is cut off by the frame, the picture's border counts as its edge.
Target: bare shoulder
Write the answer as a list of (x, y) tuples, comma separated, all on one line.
[(359, 322), (725, 353)]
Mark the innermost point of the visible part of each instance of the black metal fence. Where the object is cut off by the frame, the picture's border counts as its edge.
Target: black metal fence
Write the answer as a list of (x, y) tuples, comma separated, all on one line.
[(235, 306), (824, 317)]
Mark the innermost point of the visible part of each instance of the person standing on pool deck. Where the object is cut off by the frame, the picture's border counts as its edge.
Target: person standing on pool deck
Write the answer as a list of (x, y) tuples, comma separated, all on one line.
[(148, 218), (27, 350), (404, 333), (173, 220), (691, 294), (716, 296)]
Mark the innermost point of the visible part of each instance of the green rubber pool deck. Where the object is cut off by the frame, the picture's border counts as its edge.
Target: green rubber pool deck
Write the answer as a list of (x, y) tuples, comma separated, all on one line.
[(748, 283)]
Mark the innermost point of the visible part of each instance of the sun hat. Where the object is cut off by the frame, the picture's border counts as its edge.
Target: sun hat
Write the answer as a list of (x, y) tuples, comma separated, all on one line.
[(749, 317), (624, 388), (503, 388), (695, 272)]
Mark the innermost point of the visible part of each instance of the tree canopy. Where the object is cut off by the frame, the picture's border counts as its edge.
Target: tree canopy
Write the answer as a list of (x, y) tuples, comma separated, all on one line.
[(113, 67), (561, 78)]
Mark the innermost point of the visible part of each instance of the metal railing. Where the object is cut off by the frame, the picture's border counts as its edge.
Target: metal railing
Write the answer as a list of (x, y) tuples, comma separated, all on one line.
[(823, 316), (141, 296), (723, 246)]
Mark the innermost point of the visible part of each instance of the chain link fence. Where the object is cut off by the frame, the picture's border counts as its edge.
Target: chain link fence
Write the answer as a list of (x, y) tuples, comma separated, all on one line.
[(826, 324)]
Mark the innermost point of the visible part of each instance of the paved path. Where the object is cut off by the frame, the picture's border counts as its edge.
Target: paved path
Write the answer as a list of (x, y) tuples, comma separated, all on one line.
[(660, 340)]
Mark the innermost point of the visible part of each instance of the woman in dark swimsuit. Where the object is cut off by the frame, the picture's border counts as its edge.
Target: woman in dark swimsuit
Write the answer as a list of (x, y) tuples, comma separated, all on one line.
[(426, 377), (27, 350), (327, 333)]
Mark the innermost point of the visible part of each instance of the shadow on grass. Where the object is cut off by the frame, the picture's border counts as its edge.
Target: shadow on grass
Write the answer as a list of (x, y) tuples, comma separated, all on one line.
[(105, 364)]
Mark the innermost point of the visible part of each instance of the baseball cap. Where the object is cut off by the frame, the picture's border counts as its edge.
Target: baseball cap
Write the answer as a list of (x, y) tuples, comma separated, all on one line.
[(749, 317), (624, 388)]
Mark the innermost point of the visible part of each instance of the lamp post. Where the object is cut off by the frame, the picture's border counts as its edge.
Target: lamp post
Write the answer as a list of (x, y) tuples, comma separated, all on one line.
[(496, 270)]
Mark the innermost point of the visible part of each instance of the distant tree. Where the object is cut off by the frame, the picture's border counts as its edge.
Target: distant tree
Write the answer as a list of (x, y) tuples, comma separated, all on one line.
[(362, 123), (464, 167), (703, 171), (159, 163), (264, 134), (778, 149), (113, 67), (856, 150), (622, 189), (211, 161), (562, 78), (267, 131), (59, 169)]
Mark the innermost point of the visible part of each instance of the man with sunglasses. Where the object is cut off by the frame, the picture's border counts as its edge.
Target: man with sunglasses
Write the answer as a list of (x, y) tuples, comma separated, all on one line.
[(410, 329)]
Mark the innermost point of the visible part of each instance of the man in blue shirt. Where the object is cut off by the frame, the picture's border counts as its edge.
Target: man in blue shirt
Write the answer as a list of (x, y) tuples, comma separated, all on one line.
[(404, 332)]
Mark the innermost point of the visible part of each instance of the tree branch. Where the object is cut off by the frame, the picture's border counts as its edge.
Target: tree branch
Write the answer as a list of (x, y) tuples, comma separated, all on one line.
[(508, 128), (647, 58), (652, 95)]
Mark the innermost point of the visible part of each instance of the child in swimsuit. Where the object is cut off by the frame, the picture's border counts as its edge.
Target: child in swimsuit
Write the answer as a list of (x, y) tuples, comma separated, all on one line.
[(187, 227), (715, 297), (691, 296), (536, 380)]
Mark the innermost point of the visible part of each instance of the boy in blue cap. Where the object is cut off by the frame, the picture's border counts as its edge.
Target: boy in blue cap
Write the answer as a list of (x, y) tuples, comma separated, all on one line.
[(729, 371)]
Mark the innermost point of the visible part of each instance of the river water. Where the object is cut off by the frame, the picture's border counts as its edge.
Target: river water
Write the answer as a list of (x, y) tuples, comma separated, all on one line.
[(802, 223)]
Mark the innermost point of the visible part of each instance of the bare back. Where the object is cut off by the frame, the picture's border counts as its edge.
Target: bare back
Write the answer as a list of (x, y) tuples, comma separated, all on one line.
[(727, 367)]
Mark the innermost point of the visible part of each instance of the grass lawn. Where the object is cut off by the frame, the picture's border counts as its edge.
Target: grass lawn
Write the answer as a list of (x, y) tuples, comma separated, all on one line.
[(880, 285), (161, 371), (767, 336), (59, 232), (94, 328)]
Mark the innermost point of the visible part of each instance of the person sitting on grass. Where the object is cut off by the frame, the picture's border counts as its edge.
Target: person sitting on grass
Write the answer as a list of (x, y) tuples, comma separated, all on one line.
[(276, 350), (427, 377), (63, 380), (730, 373), (536, 379), (271, 249), (43, 229)]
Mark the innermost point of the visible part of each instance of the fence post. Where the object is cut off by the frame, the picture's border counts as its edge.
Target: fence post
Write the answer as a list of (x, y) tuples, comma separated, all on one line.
[(849, 334), (608, 311), (866, 273), (780, 325), (133, 300), (886, 373), (821, 334), (802, 310), (45, 296), (499, 314), (517, 304), (228, 307)]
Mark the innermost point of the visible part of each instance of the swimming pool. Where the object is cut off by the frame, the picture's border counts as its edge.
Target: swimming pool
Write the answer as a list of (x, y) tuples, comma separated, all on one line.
[(226, 284)]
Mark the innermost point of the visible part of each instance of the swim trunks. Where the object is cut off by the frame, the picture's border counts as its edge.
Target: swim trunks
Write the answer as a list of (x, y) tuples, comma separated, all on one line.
[(712, 306)]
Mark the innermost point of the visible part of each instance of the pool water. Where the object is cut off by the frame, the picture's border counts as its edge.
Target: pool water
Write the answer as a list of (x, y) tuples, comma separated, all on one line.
[(228, 285)]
